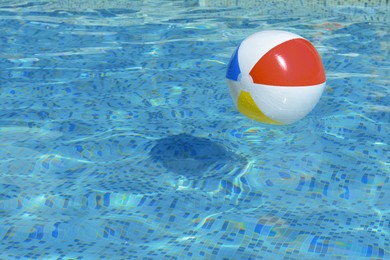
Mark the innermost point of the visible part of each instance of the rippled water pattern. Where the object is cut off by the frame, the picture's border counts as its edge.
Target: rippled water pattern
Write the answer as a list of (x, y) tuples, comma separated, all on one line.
[(119, 140)]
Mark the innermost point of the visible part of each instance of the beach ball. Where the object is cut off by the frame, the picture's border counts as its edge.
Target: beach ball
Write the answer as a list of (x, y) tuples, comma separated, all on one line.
[(275, 77)]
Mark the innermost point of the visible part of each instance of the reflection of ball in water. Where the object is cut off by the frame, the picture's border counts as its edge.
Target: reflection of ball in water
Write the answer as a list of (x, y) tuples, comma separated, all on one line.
[(275, 77)]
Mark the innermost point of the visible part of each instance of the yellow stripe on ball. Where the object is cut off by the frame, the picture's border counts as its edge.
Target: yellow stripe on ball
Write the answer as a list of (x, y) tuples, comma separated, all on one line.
[(247, 106)]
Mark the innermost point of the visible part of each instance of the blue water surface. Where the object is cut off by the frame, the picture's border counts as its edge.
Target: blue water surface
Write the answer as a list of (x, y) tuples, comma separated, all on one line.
[(119, 139)]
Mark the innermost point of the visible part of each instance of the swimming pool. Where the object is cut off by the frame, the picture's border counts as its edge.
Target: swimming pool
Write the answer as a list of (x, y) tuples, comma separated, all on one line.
[(119, 139)]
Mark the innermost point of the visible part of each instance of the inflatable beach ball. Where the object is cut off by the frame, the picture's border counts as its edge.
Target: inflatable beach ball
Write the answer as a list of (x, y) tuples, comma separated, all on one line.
[(275, 77)]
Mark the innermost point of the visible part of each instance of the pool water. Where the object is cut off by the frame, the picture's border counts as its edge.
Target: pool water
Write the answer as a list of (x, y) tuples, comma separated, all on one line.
[(119, 139)]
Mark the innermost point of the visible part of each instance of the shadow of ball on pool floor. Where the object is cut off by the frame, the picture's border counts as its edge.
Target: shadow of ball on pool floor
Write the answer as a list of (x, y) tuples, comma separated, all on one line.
[(194, 157)]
